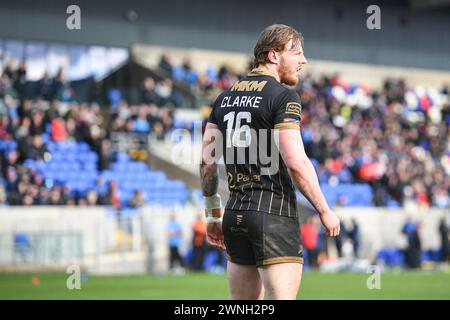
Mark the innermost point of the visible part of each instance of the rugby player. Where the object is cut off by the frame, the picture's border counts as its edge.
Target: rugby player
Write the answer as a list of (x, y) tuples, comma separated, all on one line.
[(260, 227)]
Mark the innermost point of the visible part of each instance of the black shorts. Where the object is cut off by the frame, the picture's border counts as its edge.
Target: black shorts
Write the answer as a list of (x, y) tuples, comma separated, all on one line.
[(260, 238)]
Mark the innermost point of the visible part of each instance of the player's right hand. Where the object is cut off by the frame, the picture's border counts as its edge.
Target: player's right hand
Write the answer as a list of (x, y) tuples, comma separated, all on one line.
[(214, 235), (331, 223)]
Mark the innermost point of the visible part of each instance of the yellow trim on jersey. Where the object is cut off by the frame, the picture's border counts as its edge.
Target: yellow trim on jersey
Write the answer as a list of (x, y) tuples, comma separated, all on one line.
[(260, 72), (282, 192), (283, 126), (289, 206), (276, 260), (271, 198), (260, 197)]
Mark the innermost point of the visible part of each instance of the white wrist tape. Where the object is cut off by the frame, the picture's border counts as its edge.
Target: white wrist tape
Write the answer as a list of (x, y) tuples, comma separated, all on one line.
[(213, 220), (211, 203)]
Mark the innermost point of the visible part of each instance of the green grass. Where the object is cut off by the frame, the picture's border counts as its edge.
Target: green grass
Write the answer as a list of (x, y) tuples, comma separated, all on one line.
[(196, 286)]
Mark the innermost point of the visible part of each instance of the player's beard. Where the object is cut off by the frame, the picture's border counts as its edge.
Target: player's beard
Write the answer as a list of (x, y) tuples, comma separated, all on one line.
[(288, 74)]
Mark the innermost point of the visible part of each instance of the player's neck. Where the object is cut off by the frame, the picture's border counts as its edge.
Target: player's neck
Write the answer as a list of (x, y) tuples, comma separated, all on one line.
[(268, 69)]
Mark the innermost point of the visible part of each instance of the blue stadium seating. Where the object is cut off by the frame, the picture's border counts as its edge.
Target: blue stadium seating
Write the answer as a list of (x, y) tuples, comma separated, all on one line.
[(157, 189), (395, 257), (75, 165), (392, 257), (348, 195), (7, 145), (114, 97)]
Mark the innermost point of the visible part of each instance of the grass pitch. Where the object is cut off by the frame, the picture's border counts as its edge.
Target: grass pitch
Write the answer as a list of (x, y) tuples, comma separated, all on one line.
[(204, 286)]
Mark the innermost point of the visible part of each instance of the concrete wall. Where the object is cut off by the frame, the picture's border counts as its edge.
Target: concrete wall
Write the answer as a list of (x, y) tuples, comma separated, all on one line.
[(379, 228), (107, 244), (93, 229)]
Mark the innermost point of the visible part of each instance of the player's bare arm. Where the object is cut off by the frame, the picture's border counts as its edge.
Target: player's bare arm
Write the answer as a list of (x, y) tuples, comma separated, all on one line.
[(210, 179), (210, 183), (302, 172)]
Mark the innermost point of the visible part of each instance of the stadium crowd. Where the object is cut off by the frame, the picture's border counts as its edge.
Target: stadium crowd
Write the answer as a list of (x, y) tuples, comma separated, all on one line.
[(395, 139), (32, 114)]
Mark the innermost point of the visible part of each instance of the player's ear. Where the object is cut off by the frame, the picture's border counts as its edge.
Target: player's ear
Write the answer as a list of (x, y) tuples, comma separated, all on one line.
[(273, 56)]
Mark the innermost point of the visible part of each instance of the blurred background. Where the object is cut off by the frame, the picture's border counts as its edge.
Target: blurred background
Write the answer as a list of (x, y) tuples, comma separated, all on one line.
[(100, 130)]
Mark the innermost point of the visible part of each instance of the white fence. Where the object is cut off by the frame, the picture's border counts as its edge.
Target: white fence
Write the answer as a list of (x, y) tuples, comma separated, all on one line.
[(96, 239), (90, 236), (54, 234), (381, 228)]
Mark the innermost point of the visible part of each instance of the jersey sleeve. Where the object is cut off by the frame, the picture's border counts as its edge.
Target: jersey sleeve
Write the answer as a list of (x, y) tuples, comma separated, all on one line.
[(288, 111), (212, 115)]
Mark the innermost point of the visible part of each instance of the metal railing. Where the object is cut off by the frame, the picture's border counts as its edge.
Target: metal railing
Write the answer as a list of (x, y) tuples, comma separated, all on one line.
[(50, 247)]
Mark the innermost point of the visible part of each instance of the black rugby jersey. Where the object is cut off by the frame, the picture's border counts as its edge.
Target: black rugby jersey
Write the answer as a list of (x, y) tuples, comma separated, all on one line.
[(246, 115)]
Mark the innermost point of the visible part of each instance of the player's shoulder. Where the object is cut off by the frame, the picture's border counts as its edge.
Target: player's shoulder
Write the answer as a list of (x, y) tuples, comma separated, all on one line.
[(275, 87), (272, 86), (222, 94), (285, 89), (287, 93), (220, 97)]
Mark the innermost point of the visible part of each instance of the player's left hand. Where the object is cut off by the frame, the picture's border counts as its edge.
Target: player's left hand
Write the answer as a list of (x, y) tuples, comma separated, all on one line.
[(214, 235)]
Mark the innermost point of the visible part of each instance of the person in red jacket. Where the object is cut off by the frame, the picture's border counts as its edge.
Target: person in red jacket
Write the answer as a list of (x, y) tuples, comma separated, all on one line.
[(59, 132), (199, 242), (310, 234)]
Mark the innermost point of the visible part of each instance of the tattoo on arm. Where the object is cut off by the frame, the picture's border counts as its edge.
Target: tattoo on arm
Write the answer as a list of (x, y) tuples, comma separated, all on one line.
[(210, 179)]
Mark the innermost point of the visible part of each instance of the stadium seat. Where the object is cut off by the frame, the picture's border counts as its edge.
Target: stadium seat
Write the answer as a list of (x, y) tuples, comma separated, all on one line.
[(392, 257), (123, 157), (114, 97)]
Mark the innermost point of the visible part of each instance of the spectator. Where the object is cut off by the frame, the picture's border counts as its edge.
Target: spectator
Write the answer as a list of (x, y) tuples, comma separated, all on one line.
[(395, 139), (20, 78), (24, 129), (37, 150), (353, 235), (186, 74), (441, 198), (163, 90), (59, 132), (137, 201), (322, 245), (45, 87), (445, 244), (2, 195), (58, 84), (148, 93), (92, 198), (339, 240), (114, 194), (106, 155), (175, 236), (199, 242), (310, 233), (5, 133), (56, 197), (413, 250), (141, 125), (37, 123), (165, 63)]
